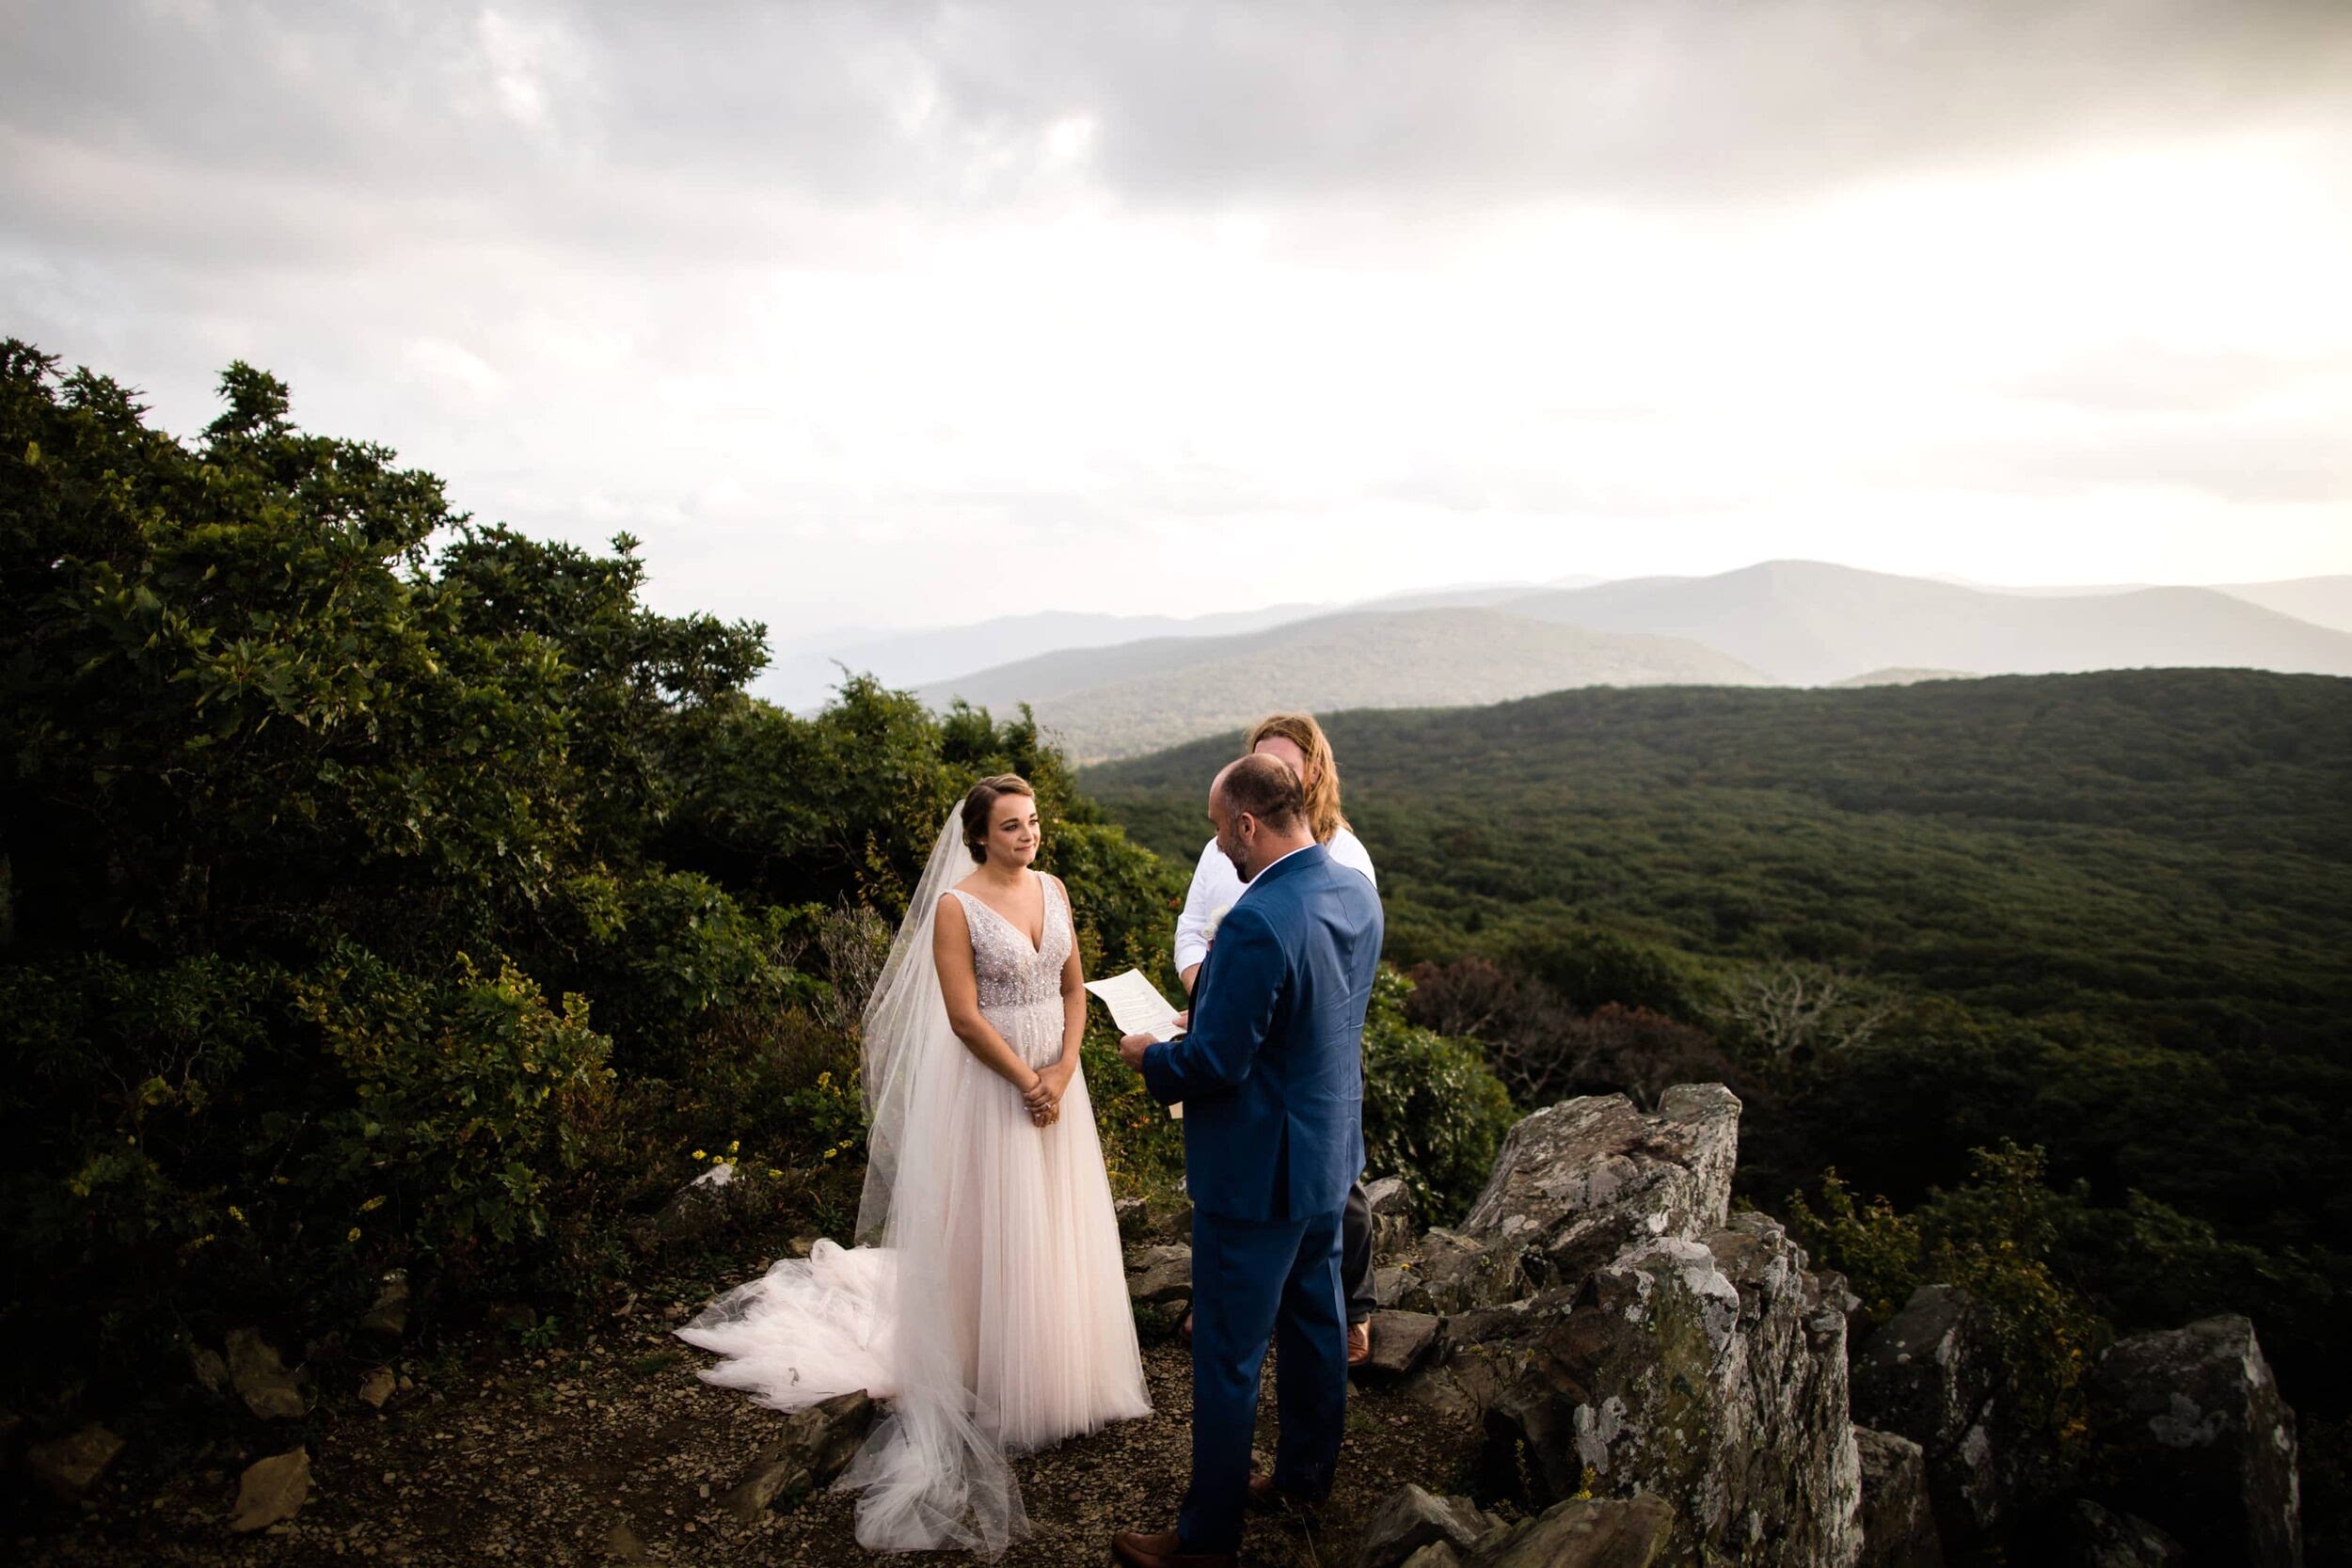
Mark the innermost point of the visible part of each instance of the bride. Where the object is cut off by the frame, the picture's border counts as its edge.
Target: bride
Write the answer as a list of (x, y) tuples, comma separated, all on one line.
[(988, 1301)]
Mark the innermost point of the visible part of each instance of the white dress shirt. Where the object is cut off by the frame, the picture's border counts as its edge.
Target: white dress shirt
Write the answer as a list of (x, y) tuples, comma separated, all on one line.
[(1217, 886)]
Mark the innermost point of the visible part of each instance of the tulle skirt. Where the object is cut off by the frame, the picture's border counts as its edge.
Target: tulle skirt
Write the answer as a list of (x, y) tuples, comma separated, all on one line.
[(996, 1317)]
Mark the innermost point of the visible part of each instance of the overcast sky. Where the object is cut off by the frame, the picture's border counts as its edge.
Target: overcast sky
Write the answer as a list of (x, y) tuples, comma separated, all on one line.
[(893, 314)]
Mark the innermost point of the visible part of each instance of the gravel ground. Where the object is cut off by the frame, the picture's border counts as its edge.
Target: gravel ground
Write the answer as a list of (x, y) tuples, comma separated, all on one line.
[(611, 1451)]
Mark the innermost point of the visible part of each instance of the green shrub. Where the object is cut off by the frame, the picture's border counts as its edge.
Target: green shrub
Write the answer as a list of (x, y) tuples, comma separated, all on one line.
[(1434, 1113), (1992, 1237), (465, 1102)]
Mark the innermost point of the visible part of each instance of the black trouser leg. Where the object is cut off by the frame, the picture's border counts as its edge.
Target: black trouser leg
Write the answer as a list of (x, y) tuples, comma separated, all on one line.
[(1356, 1255)]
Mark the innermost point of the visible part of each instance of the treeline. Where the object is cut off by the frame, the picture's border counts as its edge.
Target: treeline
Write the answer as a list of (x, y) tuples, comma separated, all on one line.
[(2101, 915)]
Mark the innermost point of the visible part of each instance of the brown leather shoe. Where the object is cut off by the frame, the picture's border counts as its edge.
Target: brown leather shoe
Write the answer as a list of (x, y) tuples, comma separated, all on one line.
[(1163, 1549), (1359, 1342)]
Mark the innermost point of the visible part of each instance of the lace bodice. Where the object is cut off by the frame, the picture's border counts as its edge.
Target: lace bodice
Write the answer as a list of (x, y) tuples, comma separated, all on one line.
[(1012, 974)]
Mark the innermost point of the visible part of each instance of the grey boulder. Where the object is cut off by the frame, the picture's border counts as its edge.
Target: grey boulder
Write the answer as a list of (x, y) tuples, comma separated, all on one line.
[(260, 1379), (1159, 1276), (2098, 1538), (69, 1466), (817, 1445), (271, 1491), (1588, 1533), (2191, 1433), (1577, 1183), (1409, 1519), (1897, 1525)]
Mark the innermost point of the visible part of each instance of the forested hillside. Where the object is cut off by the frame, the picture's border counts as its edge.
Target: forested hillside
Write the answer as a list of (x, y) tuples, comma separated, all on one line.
[(2102, 913)]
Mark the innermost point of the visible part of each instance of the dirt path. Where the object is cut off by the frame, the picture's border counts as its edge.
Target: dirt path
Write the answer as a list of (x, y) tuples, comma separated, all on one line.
[(613, 1451)]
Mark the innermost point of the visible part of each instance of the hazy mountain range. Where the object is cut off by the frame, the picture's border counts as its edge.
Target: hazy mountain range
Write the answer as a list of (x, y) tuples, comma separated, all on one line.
[(1113, 686), (1142, 696), (806, 668)]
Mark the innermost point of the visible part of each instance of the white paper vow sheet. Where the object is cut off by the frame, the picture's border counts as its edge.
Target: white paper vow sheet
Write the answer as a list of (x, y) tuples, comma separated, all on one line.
[(1138, 1008)]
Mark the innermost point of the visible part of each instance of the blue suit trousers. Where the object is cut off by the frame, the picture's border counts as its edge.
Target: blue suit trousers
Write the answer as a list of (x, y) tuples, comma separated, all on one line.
[(1252, 1281)]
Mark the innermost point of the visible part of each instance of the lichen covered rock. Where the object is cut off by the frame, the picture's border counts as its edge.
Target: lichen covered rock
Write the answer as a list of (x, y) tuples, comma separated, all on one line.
[(1697, 1363), (1897, 1525), (2191, 1433), (1577, 1183)]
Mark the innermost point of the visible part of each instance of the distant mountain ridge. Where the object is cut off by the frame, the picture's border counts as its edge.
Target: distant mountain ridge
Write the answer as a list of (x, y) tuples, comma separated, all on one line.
[(806, 668), (1784, 621), (1807, 622), (1140, 697)]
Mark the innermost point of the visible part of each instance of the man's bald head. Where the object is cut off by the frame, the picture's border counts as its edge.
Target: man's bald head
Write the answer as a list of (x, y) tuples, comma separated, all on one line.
[(1260, 811), (1264, 787)]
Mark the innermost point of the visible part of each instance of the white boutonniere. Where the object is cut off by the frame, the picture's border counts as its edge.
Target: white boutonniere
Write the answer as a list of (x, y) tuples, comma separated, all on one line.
[(1217, 918)]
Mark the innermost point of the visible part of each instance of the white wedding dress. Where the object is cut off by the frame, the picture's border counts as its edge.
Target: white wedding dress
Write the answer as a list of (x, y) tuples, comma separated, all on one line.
[(995, 1315)]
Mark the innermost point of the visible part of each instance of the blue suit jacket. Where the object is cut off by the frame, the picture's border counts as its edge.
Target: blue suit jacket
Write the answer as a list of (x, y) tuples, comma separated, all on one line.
[(1271, 1072)]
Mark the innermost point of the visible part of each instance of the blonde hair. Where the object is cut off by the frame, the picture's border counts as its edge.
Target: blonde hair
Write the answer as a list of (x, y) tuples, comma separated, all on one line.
[(1323, 781)]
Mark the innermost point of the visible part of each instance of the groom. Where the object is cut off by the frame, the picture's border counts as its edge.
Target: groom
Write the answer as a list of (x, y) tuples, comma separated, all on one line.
[(1271, 1078)]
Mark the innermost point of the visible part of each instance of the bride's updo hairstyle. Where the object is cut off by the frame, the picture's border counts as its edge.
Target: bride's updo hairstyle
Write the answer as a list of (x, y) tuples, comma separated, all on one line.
[(982, 800), (1323, 770)]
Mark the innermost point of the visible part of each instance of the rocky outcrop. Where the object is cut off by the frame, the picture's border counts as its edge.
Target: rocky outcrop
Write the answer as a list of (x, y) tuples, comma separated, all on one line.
[(261, 1380), (1449, 1272), (1928, 1374), (816, 1445), (1413, 1529), (2190, 1431), (70, 1466), (1410, 1518), (2099, 1538), (1617, 1332), (387, 1318), (1579, 1182), (1897, 1525), (1159, 1276), (1391, 1205), (700, 1209), (1618, 1335), (1402, 1342), (1586, 1533), (271, 1491)]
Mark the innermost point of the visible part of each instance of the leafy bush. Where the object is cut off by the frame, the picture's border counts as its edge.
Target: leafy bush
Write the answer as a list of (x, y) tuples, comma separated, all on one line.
[(377, 888), (1433, 1114), (1993, 1237), (464, 1104)]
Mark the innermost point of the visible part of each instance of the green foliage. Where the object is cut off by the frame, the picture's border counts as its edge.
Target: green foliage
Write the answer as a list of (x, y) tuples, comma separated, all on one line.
[(1433, 1114), (2096, 913), (1993, 1237), (379, 888), (465, 1102), (1592, 967)]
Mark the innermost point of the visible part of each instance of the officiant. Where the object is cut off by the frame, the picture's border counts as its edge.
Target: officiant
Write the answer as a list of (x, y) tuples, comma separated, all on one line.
[(1298, 743)]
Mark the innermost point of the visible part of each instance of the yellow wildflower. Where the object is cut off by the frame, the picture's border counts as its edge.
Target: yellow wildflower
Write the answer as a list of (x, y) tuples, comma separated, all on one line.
[(355, 1234)]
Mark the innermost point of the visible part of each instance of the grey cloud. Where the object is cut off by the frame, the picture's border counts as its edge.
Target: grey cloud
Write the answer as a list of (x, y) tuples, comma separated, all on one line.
[(740, 111)]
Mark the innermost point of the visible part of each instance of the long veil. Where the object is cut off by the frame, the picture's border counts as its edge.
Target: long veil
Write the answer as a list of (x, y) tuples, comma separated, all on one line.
[(906, 1026), (883, 1315)]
